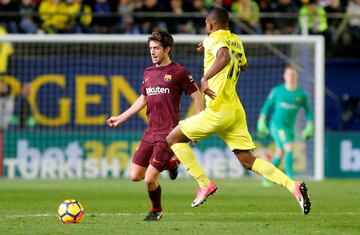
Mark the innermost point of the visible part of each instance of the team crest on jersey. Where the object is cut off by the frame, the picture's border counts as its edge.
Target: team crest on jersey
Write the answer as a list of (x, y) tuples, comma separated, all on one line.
[(191, 78), (167, 77)]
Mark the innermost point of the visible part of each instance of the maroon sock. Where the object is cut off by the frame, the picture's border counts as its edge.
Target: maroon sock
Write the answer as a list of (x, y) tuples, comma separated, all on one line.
[(155, 197), (173, 162)]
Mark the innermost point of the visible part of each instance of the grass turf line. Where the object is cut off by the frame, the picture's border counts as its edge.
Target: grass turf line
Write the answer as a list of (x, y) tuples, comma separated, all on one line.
[(118, 206)]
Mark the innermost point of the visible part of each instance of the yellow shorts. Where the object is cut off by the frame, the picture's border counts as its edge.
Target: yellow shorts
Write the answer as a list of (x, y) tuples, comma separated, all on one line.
[(230, 125)]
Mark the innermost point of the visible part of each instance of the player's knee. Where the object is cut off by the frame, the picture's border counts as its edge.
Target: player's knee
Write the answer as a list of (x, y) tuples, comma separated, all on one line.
[(288, 147), (150, 182), (247, 165), (279, 153), (136, 177), (245, 158)]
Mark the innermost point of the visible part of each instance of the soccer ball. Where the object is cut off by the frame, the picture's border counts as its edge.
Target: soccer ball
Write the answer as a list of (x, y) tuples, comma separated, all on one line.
[(70, 211)]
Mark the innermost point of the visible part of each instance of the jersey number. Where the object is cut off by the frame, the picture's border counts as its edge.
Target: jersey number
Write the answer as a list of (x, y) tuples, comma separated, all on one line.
[(235, 67)]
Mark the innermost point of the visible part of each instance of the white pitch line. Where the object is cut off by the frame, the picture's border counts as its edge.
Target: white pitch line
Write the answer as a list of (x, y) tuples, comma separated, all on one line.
[(190, 213)]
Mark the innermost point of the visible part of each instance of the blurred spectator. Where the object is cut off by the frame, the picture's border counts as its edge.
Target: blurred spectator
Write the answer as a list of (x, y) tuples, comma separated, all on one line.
[(267, 23), (58, 16), (6, 105), (214, 3), (326, 3), (37, 2), (178, 24), (126, 23), (248, 11), (314, 17), (149, 24), (198, 6), (287, 25), (9, 22), (83, 19), (69, 10), (102, 19), (333, 23), (126, 6), (164, 5), (302, 2), (353, 9), (23, 112), (48, 11), (227, 4), (27, 13), (6, 50)]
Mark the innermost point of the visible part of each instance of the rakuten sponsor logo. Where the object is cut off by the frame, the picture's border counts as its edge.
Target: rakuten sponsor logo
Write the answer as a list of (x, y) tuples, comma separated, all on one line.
[(157, 90)]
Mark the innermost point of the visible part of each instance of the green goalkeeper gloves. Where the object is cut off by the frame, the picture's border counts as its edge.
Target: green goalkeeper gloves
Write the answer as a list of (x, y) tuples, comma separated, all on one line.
[(308, 131), (262, 127)]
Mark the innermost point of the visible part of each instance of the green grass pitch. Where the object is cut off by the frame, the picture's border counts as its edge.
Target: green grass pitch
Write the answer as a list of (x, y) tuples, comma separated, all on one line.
[(118, 206)]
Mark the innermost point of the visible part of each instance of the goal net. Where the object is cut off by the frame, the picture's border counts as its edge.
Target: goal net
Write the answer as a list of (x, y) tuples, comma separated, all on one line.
[(64, 87)]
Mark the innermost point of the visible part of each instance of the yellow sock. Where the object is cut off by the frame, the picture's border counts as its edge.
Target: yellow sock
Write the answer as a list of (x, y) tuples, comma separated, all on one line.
[(187, 158), (270, 172)]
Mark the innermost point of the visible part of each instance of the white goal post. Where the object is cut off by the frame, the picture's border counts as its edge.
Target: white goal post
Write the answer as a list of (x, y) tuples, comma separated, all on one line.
[(85, 55)]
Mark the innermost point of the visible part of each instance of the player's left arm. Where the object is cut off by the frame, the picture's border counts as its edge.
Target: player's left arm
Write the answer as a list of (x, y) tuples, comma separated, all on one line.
[(222, 59), (309, 129)]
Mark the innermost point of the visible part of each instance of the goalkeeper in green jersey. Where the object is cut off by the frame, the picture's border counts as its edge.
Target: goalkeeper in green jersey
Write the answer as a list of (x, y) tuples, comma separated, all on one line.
[(285, 101)]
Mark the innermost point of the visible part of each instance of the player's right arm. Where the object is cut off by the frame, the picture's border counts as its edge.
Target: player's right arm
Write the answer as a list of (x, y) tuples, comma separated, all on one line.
[(139, 104), (268, 104), (222, 59)]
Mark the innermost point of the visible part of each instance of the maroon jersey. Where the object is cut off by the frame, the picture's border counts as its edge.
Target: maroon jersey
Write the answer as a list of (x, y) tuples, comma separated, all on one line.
[(163, 87)]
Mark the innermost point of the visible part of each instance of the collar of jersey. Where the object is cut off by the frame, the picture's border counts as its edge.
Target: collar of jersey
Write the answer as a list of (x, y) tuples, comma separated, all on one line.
[(220, 31), (161, 67)]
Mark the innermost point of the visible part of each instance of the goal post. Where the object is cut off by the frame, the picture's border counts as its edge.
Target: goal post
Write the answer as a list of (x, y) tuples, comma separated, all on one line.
[(77, 81)]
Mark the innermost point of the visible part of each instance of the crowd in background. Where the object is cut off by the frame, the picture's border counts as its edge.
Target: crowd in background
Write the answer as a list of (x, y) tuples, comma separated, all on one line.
[(181, 16)]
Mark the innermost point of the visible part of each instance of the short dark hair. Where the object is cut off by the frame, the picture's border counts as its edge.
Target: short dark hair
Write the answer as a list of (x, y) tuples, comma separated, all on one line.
[(220, 15), (163, 37)]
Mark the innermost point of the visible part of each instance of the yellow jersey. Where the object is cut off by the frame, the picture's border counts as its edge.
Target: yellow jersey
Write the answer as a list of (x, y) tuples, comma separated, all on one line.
[(224, 82)]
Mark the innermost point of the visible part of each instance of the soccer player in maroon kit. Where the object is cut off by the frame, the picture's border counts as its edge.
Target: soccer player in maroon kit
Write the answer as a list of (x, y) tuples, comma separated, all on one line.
[(161, 90)]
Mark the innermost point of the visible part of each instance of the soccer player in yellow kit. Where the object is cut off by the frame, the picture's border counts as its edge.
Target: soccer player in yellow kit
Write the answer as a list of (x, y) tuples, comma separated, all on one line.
[(224, 115)]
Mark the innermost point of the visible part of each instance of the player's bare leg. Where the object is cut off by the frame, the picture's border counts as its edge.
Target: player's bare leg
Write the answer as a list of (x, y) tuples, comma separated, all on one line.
[(270, 172), (137, 172), (154, 191), (179, 144)]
